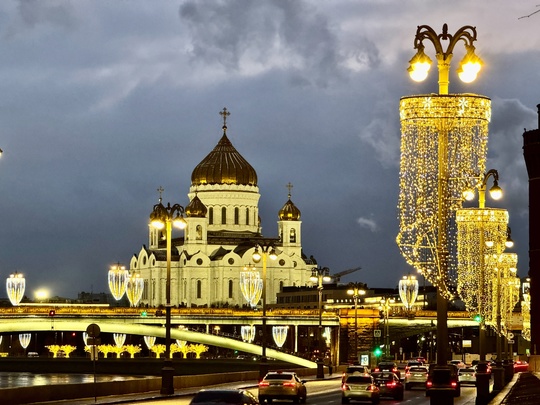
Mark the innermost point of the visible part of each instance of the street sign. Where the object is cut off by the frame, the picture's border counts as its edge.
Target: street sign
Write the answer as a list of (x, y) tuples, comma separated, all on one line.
[(93, 330), (377, 333)]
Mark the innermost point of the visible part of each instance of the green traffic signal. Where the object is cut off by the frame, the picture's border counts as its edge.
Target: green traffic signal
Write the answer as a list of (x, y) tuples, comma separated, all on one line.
[(144, 313), (377, 352), (478, 318)]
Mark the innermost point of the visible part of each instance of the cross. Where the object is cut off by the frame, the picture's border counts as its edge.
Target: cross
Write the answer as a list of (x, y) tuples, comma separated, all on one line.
[(160, 190), (289, 186), (224, 114)]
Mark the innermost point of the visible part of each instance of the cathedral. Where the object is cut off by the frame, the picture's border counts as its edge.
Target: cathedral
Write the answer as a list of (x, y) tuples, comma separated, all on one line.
[(223, 229)]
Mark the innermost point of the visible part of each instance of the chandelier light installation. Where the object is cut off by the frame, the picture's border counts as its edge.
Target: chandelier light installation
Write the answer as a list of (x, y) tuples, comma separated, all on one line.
[(119, 339), (443, 148), (150, 341), (118, 276), (251, 285), (408, 291), (510, 289), (24, 339), (15, 286), (279, 333), (248, 333), (134, 288)]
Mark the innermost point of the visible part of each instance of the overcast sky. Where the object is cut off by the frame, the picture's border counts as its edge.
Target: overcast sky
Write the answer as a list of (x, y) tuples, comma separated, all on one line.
[(102, 102)]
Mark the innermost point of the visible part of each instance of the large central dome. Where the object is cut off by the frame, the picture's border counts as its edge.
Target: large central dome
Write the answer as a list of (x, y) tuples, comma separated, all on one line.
[(224, 165)]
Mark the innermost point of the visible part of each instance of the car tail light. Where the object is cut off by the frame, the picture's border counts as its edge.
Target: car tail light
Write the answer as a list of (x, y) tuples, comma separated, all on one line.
[(391, 384), (370, 388), (289, 384), (429, 384), (345, 387), (454, 384), (264, 384), (377, 369)]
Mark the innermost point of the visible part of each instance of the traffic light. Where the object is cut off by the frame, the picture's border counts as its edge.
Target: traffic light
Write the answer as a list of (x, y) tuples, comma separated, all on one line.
[(478, 318), (377, 352), (52, 312), (144, 313)]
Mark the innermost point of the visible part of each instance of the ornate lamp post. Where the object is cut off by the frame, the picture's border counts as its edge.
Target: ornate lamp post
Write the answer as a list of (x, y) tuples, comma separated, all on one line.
[(356, 290), (482, 234), (15, 286), (164, 217), (263, 251), (319, 275), (443, 147)]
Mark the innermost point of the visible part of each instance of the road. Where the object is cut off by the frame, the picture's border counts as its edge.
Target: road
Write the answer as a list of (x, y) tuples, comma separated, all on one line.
[(327, 392)]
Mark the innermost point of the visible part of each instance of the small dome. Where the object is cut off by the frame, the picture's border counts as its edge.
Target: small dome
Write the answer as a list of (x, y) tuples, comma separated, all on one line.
[(196, 208), (224, 165), (289, 212)]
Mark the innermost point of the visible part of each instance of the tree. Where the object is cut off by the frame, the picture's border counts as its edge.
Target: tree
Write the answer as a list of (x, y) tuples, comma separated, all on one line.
[(54, 349), (132, 350), (67, 349), (199, 349), (105, 349), (118, 350), (158, 349)]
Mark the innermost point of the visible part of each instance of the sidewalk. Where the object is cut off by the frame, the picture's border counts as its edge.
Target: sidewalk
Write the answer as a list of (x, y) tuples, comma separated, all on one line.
[(524, 389)]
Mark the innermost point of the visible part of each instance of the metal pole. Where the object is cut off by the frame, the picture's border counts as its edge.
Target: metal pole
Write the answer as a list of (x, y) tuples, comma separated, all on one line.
[(167, 372), (356, 326), (263, 367)]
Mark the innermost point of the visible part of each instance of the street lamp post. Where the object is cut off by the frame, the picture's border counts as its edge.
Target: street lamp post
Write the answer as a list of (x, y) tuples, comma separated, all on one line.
[(320, 275), (444, 189), (263, 251), (496, 193), (164, 217), (385, 306), (356, 290)]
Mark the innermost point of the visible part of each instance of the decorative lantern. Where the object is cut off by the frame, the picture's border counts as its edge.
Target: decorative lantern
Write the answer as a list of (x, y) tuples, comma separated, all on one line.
[(251, 285), (118, 276), (248, 333), (279, 333), (134, 289), (24, 339), (15, 285), (150, 341), (119, 339), (408, 291)]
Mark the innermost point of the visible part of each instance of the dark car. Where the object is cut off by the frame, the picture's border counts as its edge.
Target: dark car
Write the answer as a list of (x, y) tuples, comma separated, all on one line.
[(443, 378), (388, 366), (224, 397), (389, 384), (520, 366)]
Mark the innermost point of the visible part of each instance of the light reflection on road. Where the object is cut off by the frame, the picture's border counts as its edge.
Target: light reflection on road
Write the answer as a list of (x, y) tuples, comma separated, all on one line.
[(25, 379)]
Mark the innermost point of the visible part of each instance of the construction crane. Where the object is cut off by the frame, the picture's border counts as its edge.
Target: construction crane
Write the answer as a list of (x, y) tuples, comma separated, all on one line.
[(337, 276)]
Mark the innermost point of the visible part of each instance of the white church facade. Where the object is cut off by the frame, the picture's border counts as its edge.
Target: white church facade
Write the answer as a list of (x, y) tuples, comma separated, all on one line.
[(222, 231)]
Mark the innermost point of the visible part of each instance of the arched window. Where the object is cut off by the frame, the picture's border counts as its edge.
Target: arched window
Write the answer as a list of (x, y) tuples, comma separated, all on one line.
[(199, 232), (223, 216), (199, 289), (247, 216), (236, 216), (211, 215), (145, 290), (293, 236), (280, 286), (230, 288)]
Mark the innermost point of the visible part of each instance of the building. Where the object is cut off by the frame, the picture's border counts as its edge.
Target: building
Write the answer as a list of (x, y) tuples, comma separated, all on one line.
[(223, 228)]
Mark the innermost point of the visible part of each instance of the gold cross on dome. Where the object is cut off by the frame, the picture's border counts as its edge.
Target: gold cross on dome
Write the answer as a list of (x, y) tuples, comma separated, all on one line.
[(289, 186), (224, 113)]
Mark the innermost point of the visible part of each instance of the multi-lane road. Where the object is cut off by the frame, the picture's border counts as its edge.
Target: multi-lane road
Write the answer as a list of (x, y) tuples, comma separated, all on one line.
[(327, 392)]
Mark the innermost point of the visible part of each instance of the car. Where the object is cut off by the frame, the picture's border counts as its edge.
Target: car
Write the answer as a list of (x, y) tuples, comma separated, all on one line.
[(359, 387), (388, 366), (282, 385), (467, 376), (389, 384), (354, 370), (520, 365), (482, 368), (224, 397), (416, 376), (443, 378), (457, 363), (412, 363)]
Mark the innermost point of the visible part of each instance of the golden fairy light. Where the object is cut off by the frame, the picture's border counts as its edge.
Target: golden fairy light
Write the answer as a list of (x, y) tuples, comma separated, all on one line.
[(117, 277), (526, 309), (251, 285), (279, 333), (481, 235), (248, 333), (505, 269), (408, 290), (15, 286), (443, 150), (134, 288)]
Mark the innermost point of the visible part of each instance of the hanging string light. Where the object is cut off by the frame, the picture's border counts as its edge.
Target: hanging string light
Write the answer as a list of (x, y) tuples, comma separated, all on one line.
[(450, 129), (279, 333), (15, 286), (526, 310), (119, 339), (150, 341), (408, 291), (118, 276), (248, 333), (24, 339), (134, 288), (251, 285)]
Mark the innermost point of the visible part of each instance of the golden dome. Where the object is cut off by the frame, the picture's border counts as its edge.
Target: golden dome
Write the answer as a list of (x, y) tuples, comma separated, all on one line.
[(224, 165), (196, 208), (289, 212)]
